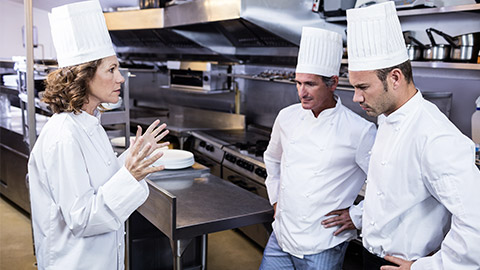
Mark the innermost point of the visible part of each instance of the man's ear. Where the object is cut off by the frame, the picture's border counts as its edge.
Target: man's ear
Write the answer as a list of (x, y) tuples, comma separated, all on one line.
[(335, 83), (396, 77)]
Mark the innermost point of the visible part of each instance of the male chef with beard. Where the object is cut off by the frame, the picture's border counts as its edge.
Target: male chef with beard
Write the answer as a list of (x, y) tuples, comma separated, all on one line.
[(421, 208), (316, 161)]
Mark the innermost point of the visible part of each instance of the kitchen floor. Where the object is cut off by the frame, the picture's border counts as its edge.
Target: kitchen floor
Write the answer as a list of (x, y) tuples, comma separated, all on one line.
[(227, 250)]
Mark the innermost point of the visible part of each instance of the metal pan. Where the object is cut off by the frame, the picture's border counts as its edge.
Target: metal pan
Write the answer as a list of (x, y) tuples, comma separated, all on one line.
[(414, 48), (470, 39), (434, 51), (464, 48)]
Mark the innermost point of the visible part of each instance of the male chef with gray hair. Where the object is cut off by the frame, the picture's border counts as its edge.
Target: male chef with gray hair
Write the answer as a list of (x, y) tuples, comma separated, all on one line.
[(316, 161), (421, 202)]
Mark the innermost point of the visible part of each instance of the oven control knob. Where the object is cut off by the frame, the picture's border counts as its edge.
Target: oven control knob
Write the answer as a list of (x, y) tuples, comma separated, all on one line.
[(230, 158), (210, 148), (202, 144), (240, 162), (261, 172), (249, 166)]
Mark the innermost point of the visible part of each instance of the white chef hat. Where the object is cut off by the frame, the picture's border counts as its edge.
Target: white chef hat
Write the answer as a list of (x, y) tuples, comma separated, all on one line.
[(374, 38), (79, 33), (320, 52)]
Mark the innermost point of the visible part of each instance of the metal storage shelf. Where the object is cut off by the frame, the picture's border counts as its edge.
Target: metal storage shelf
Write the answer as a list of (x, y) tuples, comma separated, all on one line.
[(425, 11), (9, 90), (438, 64), (195, 91), (421, 11), (446, 65), (253, 77)]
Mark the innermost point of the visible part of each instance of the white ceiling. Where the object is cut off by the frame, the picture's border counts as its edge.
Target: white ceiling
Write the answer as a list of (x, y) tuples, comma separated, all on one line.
[(106, 4)]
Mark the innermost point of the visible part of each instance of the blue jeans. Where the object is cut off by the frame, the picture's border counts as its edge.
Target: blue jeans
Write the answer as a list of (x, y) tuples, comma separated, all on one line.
[(274, 258)]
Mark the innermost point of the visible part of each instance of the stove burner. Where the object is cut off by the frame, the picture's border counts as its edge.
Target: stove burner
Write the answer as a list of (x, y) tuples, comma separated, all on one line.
[(256, 148)]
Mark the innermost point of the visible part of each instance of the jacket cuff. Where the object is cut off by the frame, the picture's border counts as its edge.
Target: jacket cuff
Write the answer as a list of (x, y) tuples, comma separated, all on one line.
[(124, 194), (356, 212)]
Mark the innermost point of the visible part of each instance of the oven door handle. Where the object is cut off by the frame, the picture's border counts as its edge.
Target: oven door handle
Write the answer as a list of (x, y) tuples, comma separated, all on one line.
[(204, 162), (237, 180)]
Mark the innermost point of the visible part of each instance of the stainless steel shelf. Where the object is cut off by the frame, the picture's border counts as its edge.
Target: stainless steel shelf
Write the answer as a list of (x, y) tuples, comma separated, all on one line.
[(336, 19), (421, 11), (252, 77), (446, 65), (9, 90), (195, 91), (437, 64), (114, 117), (424, 11)]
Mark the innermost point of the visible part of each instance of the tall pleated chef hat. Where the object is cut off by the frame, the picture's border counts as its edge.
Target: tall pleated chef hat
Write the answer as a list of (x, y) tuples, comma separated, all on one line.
[(320, 52), (374, 38), (80, 33)]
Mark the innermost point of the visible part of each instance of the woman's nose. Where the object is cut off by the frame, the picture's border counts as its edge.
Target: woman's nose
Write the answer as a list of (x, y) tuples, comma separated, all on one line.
[(120, 78)]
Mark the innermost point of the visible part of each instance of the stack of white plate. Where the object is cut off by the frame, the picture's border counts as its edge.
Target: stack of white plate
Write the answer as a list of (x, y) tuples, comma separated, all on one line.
[(10, 80), (113, 106), (174, 159), (119, 141)]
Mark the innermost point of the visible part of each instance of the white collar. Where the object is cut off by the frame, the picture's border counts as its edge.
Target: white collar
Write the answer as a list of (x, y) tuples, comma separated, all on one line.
[(325, 113), (87, 121), (404, 111)]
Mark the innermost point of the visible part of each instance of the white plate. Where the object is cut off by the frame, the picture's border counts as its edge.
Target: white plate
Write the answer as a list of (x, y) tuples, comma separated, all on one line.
[(119, 141), (113, 106), (174, 159)]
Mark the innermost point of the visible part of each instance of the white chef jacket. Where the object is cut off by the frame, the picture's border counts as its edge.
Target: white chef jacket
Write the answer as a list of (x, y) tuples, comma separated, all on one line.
[(314, 166), (80, 195), (423, 191)]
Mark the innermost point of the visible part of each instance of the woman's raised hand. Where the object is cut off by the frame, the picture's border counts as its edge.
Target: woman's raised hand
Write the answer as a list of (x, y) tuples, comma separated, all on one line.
[(152, 136), (138, 159)]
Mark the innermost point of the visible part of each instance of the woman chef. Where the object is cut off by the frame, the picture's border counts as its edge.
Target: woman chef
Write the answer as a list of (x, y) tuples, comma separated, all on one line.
[(81, 194)]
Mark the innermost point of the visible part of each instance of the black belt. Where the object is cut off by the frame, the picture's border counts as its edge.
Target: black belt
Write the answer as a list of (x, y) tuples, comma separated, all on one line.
[(373, 262)]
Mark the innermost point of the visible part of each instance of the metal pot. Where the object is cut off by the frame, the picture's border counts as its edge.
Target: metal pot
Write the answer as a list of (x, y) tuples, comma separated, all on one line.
[(434, 51), (438, 52), (143, 4), (463, 53), (414, 52), (414, 48), (470, 39), (464, 47)]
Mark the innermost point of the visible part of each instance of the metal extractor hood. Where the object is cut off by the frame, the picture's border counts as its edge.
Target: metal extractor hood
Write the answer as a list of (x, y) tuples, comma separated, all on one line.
[(231, 28)]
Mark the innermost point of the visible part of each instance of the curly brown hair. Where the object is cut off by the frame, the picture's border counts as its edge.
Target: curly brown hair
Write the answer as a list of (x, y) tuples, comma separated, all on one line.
[(66, 88)]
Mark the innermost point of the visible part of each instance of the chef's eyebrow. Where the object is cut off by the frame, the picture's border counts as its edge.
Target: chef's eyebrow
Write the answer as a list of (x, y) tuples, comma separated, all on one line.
[(360, 85), (305, 82)]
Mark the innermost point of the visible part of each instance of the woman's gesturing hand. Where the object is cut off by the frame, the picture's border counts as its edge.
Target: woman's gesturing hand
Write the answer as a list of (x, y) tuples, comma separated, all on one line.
[(138, 159), (152, 136)]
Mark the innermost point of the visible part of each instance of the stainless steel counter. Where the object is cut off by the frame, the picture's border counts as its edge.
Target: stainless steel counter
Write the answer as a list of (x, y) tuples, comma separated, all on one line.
[(14, 153), (185, 206), (14, 121)]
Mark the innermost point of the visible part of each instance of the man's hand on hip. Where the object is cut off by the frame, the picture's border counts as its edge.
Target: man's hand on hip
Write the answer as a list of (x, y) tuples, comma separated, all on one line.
[(403, 264), (341, 219)]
